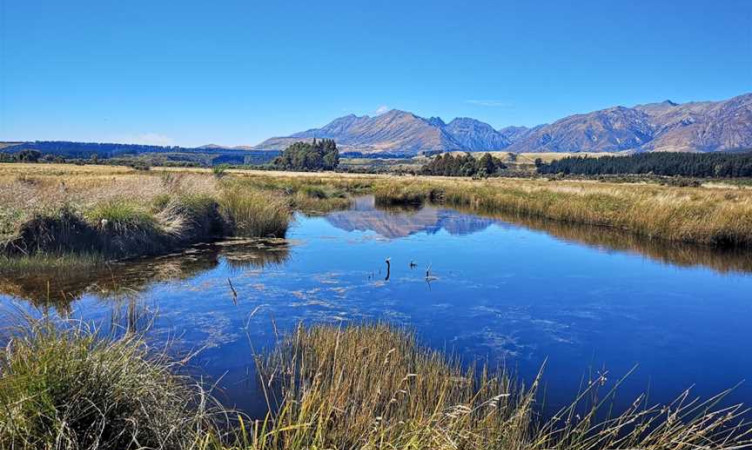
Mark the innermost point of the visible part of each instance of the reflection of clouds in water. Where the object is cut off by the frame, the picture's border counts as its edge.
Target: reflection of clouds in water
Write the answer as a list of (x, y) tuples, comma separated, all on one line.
[(497, 345), (556, 331), (215, 327), (523, 321)]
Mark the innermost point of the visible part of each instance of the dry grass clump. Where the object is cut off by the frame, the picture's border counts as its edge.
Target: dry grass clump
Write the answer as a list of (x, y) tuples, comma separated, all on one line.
[(71, 388), (253, 213), (374, 387)]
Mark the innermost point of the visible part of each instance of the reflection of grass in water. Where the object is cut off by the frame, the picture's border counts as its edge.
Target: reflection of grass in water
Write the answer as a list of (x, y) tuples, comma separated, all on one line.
[(58, 281), (256, 253), (676, 253)]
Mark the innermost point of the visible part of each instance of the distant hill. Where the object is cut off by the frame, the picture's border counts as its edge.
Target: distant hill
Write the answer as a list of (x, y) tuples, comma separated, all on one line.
[(206, 155), (666, 126)]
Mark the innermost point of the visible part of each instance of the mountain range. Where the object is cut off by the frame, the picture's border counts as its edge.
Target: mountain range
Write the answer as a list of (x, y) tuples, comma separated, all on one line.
[(706, 126)]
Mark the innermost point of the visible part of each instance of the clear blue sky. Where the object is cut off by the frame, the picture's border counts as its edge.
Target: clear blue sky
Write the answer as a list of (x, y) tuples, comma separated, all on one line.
[(236, 72)]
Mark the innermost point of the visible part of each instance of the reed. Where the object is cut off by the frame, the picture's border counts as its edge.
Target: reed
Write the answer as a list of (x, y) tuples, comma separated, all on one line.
[(119, 213), (374, 387)]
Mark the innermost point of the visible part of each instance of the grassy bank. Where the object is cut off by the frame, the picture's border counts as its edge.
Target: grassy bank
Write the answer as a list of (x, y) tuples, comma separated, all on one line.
[(369, 386), (708, 216), (712, 214), (122, 208), (121, 214)]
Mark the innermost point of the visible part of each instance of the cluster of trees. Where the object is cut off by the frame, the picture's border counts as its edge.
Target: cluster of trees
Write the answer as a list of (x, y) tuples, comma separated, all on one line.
[(660, 163), (304, 156), (28, 155), (463, 165)]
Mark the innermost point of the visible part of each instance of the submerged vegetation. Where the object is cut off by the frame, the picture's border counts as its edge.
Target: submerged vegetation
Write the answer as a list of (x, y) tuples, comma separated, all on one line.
[(368, 386)]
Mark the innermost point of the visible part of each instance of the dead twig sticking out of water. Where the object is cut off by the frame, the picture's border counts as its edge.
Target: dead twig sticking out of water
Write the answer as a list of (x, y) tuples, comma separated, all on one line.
[(388, 268), (413, 265), (234, 292), (429, 277)]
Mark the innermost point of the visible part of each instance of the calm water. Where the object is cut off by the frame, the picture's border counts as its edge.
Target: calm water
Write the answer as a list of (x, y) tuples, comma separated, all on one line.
[(513, 292)]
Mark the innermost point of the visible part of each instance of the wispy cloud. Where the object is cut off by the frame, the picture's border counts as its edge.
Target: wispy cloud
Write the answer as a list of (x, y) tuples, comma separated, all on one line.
[(489, 103), (382, 109)]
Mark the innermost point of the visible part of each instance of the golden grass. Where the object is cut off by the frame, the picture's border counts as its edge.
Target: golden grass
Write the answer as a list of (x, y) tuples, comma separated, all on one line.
[(368, 386), (122, 212), (374, 387), (718, 215), (254, 213)]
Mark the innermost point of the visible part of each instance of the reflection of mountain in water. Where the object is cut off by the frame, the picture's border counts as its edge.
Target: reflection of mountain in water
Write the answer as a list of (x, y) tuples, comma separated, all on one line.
[(397, 223)]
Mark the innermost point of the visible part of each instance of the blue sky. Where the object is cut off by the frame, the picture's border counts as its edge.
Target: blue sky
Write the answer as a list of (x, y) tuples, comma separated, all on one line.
[(236, 72)]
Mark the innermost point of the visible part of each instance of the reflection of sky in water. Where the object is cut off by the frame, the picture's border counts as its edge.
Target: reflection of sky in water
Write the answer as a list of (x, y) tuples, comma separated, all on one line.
[(502, 293)]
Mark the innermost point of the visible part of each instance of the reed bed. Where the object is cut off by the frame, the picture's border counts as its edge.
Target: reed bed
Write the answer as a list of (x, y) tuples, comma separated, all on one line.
[(254, 213), (370, 386), (714, 217), (374, 387)]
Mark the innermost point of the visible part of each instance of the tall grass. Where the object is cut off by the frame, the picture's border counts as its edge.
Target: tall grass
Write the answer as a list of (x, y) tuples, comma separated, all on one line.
[(375, 387), (358, 387), (130, 214), (254, 213), (714, 217), (72, 388)]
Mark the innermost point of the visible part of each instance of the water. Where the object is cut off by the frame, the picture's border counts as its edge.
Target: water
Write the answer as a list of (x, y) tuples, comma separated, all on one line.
[(514, 292)]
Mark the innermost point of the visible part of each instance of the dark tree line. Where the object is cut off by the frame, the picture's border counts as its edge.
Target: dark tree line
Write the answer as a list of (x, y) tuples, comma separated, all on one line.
[(724, 165), (304, 156), (463, 165)]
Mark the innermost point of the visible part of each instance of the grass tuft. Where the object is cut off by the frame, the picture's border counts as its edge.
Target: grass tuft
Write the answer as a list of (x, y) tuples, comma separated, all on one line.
[(69, 387), (252, 213)]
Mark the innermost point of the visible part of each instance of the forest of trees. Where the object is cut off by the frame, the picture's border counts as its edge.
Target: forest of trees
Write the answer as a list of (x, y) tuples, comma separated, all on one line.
[(722, 165), (304, 156), (463, 165)]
